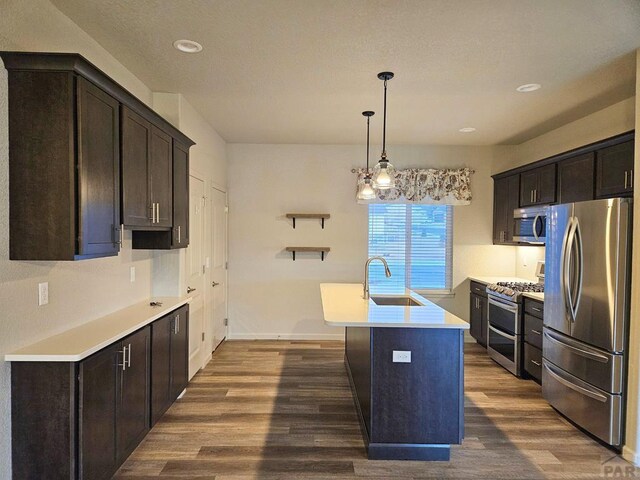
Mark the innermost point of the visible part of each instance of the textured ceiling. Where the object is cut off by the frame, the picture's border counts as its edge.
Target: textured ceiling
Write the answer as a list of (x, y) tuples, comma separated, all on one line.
[(301, 71)]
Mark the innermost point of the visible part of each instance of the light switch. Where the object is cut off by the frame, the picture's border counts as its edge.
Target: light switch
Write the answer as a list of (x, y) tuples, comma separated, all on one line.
[(401, 356)]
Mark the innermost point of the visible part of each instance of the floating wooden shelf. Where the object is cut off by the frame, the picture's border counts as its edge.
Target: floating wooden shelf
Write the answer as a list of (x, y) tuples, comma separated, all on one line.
[(322, 251), (321, 216)]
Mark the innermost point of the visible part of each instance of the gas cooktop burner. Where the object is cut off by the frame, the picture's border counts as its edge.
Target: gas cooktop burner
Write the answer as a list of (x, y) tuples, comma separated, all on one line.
[(512, 290), (522, 286)]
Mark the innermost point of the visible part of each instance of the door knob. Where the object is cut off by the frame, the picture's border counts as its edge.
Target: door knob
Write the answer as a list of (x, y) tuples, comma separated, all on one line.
[(189, 289), (214, 284)]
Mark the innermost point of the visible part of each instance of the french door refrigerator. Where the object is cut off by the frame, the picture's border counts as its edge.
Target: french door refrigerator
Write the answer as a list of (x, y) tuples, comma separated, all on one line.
[(586, 313)]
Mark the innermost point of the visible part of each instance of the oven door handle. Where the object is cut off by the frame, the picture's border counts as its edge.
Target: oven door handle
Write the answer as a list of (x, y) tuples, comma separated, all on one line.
[(506, 335), (504, 306)]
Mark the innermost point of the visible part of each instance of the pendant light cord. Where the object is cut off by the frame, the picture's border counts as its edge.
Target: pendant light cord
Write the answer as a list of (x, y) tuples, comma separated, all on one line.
[(368, 118), (384, 124)]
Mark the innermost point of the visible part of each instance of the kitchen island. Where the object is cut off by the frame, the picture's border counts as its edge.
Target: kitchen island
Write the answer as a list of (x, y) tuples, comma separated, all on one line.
[(404, 359)]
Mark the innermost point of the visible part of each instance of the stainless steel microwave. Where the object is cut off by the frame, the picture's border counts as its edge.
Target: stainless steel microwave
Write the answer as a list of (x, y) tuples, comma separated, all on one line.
[(530, 225)]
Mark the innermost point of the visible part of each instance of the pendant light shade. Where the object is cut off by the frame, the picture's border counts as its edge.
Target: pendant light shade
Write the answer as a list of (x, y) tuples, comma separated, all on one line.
[(384, 173), (366, 191)]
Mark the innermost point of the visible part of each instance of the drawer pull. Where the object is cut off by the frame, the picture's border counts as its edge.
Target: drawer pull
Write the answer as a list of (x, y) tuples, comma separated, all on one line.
[(536, 332), (536, 309), (537, 364)]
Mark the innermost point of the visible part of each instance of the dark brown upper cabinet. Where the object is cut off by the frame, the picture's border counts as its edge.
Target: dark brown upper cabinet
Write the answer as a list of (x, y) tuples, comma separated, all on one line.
[(178, 236), (538, 186), (576, 178), (66, 137), (64, 177), (506, 194), (614, 170), (180, 232), (147, 171)]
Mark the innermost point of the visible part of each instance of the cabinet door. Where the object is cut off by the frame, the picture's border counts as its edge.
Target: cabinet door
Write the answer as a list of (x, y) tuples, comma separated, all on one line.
[(98, 376), (136, 146), (500, 207), (528, 186), (614, 170), (576, 179), (180, 232), (179, 352), (161, 174), (98, 171), (478, 319), (133, 402), (161, 331), (546, 191), (505, 201)]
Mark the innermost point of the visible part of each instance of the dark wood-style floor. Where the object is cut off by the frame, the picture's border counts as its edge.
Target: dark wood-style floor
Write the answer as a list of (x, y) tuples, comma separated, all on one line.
[(283, 410)]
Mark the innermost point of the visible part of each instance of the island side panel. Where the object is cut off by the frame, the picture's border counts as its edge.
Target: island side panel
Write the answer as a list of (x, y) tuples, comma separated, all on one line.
[(358, 359), (43, 422), (419, 402)]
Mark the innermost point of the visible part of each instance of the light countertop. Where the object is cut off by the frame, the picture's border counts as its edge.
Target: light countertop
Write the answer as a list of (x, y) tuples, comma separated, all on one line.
[(82, 341), (487, 280), (344, 306)]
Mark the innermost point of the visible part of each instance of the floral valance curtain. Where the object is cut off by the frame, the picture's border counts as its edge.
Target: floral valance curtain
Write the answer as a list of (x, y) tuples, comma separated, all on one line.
[(451, 186)]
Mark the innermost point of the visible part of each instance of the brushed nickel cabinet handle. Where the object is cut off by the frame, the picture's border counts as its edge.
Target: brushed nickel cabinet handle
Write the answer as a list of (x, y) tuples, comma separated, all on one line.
[(536, 363), (626, 175), (129, 357), (158, 214), (189, 289), (124, 358), (536, 332), (179, 234)]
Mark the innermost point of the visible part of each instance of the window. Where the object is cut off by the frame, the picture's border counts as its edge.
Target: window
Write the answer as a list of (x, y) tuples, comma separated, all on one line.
[(415, 240)]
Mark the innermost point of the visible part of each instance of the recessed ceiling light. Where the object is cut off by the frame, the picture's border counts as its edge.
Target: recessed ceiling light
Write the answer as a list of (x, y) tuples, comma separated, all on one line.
[(467, 130), (529, 87), (187, 46)]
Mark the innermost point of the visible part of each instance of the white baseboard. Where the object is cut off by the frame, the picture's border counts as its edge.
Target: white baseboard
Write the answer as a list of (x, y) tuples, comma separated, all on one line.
[(630, 455), (285, 336)]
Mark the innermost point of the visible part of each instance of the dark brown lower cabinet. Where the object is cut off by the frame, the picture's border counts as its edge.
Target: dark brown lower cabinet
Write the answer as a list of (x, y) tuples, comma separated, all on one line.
[(478, 319), (533, 319), (81, 420), (98, 394), (169, 353)]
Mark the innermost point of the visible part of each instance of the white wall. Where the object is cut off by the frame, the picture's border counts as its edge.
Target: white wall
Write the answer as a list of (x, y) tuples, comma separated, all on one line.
[(272, 296), (613, 120), (78, 291)]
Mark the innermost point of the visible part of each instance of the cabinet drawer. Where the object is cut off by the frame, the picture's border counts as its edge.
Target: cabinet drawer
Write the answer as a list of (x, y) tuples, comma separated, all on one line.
[(533, 361), (533, 330), (479, 288), (532, 307)]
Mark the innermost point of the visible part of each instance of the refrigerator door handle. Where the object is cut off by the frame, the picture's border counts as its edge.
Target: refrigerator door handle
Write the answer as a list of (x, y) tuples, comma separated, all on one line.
[(577, 238), (566, 259), (579, 351), (584, 391)]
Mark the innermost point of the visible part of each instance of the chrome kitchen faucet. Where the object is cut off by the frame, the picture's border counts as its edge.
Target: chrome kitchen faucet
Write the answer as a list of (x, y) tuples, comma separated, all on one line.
[(387, 272)]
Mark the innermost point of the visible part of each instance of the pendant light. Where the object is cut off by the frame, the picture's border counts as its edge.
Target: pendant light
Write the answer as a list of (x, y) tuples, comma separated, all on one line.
[(384, 172), (365, 191)]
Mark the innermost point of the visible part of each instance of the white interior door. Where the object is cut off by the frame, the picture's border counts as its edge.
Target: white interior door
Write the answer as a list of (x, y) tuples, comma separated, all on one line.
[(218, 284), (195, 274)]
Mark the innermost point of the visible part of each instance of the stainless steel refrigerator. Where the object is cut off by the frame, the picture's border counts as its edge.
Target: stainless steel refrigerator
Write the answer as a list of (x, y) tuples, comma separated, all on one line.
[(586, 313)]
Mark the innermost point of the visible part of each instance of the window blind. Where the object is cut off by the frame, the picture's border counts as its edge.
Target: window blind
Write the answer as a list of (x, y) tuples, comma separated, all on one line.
[(416, 241)]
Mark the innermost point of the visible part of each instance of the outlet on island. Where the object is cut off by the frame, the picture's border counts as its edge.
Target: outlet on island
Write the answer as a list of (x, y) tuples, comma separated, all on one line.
[(43, 293), (401, 356)]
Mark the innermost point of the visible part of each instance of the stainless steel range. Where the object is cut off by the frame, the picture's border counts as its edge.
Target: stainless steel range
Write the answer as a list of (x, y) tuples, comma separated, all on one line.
[(504, 338)]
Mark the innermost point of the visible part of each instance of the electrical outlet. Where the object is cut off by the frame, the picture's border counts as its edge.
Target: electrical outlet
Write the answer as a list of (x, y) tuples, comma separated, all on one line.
[(132, 274), (401, 356), (43, 293)]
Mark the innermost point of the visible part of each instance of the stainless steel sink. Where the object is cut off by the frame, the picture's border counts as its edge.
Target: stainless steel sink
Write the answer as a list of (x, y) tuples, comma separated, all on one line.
[(398, 301)]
